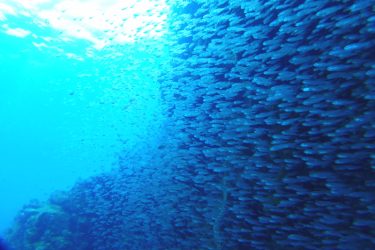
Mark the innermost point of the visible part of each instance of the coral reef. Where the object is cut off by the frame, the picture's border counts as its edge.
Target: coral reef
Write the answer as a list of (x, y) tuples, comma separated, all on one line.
[(269, 139)]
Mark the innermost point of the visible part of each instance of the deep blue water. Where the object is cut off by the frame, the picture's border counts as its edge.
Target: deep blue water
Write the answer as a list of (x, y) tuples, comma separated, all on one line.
[(223, 124)]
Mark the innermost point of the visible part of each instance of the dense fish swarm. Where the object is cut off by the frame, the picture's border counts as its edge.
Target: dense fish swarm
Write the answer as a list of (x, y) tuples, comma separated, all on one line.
[(267, 140)]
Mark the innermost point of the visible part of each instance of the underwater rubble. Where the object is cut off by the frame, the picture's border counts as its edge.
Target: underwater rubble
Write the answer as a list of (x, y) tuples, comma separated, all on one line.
[(269, 139)]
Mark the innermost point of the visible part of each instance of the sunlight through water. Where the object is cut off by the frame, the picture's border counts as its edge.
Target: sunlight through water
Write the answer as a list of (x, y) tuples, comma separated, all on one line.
[(56, 79)]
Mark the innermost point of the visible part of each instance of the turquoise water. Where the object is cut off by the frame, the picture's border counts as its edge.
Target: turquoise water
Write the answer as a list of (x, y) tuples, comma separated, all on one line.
[(197, 125), (67, 108)]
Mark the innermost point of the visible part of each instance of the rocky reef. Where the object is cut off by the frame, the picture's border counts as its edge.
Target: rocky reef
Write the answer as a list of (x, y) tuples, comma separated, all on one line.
[(268, 139)]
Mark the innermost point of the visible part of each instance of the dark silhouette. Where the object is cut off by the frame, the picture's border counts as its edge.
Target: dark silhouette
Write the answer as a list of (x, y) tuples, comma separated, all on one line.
[(3, 246)]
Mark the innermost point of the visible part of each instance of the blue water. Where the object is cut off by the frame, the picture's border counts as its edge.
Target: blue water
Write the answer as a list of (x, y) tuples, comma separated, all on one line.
[(63, 119), (194, 125)]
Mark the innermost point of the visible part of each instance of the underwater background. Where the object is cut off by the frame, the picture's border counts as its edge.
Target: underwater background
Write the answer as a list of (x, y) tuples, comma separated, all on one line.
[(176, 124)]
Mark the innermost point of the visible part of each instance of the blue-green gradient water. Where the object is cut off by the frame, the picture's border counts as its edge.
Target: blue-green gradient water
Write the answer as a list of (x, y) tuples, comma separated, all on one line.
[(174, 124), (67, 108)]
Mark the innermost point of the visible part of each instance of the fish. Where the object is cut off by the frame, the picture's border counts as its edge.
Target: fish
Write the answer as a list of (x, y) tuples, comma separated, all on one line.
[(268, 133)]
